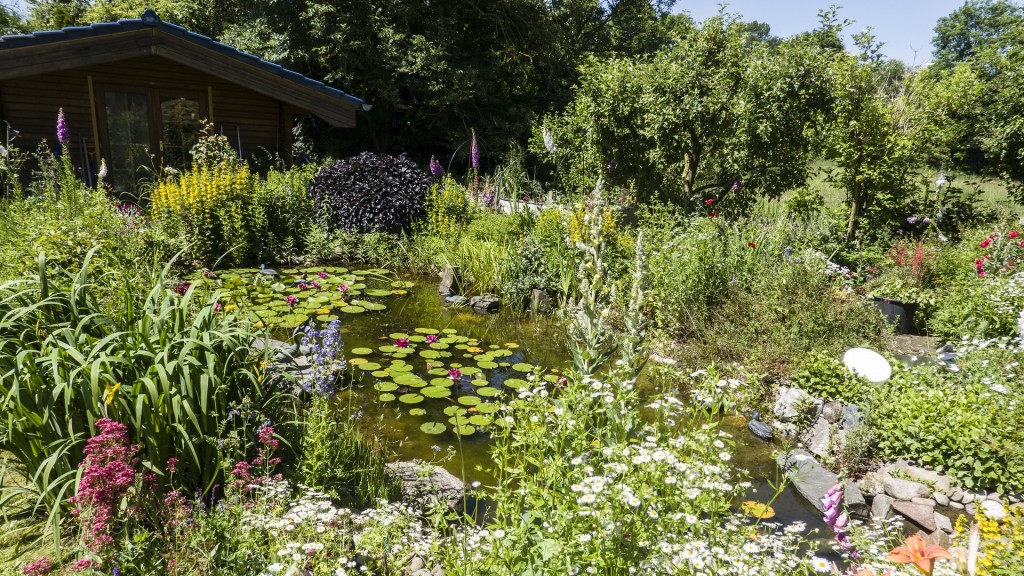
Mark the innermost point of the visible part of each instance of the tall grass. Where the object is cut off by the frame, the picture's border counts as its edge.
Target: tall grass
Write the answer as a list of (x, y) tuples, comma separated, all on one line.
[(184, 378)]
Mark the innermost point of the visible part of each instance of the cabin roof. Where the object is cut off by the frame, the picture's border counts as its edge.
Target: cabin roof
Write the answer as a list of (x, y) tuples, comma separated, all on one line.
[(72, 47)]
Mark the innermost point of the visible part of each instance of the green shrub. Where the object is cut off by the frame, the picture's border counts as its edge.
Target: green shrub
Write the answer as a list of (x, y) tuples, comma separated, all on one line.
[(966, 424), (980, 307), (447, 209), (183, 378), (825, 376)]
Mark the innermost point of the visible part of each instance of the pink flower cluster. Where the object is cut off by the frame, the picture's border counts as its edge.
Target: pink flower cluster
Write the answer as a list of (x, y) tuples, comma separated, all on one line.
[(109, 471), (40, 567), (836, 520), (1003, 254), (431, 338)]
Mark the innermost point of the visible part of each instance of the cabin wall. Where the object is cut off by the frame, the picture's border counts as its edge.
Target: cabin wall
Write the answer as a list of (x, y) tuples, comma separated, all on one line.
[(30, 104)]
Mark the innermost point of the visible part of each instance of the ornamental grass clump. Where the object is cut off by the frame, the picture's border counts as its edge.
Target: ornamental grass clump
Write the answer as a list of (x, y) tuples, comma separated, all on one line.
[(184, 380)]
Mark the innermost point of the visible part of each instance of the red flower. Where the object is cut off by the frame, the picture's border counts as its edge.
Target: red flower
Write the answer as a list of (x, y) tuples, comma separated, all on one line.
[(752, 244), (712, 214), (985, 243), (709, 201), (1013, 234)]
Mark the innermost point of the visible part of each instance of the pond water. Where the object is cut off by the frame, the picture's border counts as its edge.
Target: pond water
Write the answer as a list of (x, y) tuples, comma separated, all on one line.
[(406, 393)]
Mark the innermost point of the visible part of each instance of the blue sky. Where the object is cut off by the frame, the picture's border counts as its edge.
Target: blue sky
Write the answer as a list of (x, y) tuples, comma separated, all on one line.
[(903, 25)]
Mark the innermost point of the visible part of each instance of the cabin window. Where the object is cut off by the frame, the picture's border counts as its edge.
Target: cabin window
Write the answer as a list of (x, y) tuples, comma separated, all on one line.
[(143, 130), (128, 137)]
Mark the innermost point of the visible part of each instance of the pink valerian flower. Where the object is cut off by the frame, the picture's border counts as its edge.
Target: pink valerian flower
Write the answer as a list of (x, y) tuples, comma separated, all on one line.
[(63, 135), (292, 301), (455, 374), (83, 565), (39, 567), (172, 465), (431, 338), (401, 342), (108, 473), (322, 275)]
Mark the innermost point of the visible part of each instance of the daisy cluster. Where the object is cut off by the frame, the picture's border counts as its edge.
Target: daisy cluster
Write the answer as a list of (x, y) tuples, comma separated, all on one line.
[(309, 535)]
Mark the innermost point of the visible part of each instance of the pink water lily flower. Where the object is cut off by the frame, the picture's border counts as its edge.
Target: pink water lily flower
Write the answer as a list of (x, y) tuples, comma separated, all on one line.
[(431, 338), (402, 343), (455, 374), (292, 300)]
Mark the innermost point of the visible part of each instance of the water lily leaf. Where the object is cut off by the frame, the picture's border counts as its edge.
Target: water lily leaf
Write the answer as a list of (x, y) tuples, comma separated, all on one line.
[(387, 397), (410, 398), (480, 382), (353, 309), (483, 358), (516, 383), (380, 374), (439, 346), (468, 400), (426, 331), (417, 412), (402, 284), (362, 351), (358, 361), (487, 407), (433, 428), (480, 420), (488, 391), (378, 293), (469, 370), (465, 430), (399, 292), (442, 382), (397, 368), (430, 354), (487, 365), (397, 335), (408, 379), (385, 386), (438, 372), (327, 318), (436, 392), (417, 338), (390, 349), (500, 353), (511, 345), (369, 366), (757, 509), (453, 410)]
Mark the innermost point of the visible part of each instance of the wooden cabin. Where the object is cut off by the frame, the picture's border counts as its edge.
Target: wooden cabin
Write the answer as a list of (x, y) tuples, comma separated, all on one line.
[(135, 92)]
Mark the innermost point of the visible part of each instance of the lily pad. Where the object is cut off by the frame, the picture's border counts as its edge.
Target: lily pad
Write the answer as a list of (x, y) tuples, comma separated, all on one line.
[(417, 412), (378, 293), (468, 400), (487, 365), (432, 427), (385, 386), (358, 361), (426, 331), (430, 354), (408, 379), (397, 335), (465, 430), (516, 383), (410, 398), (488, 391), (436, 392), (453, 410), (480, 420), (353, 309), (757, 509), (369, 366), (386, 397), (362, 351), (487, 407)]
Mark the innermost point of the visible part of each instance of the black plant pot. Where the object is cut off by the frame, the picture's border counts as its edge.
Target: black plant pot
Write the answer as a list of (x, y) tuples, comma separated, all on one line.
[(898, 313)]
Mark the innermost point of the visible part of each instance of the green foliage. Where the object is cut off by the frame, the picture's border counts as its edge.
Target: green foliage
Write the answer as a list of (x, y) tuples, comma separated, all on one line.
[(171, 370), (974, 28), (447, 209), (962, 423), (981, 308), (338, 460), (825, 376), (689, 123), (805, 203)]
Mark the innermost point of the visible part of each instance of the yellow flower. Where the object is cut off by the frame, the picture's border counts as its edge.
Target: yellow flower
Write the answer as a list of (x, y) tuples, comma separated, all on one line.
[(109, 393)]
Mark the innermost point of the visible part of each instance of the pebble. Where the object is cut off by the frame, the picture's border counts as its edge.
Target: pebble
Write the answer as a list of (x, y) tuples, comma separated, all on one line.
[(993, 510), (968, 498), (956, 495), (995, 496), (956, 505), (970, 509), (941, 499)]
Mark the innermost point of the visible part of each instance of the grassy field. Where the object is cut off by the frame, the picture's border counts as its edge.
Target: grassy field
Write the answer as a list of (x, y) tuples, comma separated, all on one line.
[(989, 191)]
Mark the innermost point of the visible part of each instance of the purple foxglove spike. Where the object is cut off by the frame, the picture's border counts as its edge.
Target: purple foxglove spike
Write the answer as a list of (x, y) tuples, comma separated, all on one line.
[(435, 168), (63, 136), (474, 153)]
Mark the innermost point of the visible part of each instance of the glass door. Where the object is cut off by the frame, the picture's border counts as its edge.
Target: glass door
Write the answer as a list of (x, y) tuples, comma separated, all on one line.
[(180, 126), (128, 138)]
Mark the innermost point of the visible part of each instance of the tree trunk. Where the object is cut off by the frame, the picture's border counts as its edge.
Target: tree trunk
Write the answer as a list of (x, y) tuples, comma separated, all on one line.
[(855, 209)]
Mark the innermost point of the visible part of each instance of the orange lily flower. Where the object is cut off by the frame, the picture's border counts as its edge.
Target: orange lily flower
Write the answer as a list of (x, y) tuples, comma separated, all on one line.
[(916, 552)]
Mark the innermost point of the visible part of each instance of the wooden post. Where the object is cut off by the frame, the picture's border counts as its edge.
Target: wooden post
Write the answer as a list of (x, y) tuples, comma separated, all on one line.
[(95, 122)]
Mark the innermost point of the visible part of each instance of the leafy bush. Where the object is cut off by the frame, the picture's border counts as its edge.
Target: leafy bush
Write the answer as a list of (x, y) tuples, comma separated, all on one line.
[(371, 193), (177, 373), (447, 209), (965, 423), (212, 208), (981, 307), (824, 376)]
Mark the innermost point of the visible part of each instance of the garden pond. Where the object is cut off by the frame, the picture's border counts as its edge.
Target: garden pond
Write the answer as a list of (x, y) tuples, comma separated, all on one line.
[(428, 378)]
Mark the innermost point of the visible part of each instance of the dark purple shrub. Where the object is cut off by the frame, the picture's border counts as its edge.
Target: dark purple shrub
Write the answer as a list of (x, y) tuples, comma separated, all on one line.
[(371, 193)]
